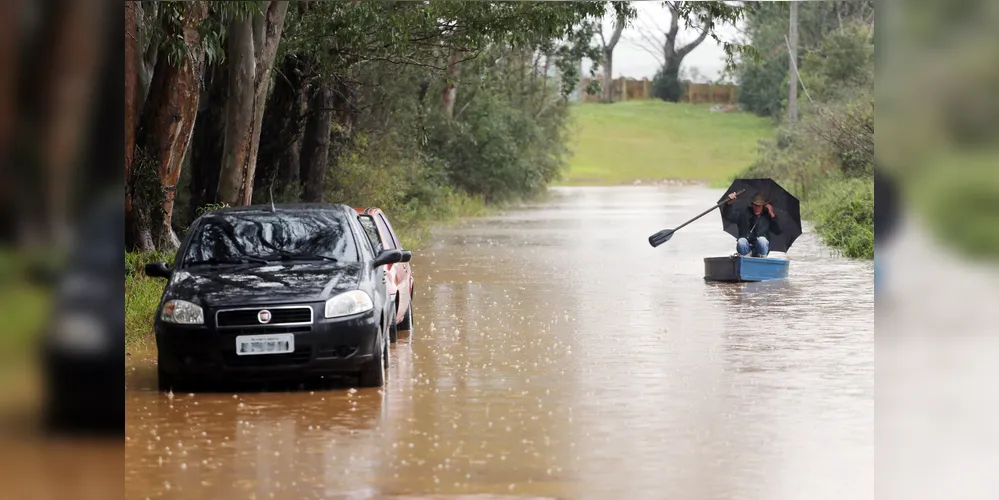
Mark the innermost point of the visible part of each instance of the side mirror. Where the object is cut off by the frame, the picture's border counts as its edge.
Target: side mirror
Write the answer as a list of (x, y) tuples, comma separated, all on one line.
[(406, 256), (158, 270), (387, 257)]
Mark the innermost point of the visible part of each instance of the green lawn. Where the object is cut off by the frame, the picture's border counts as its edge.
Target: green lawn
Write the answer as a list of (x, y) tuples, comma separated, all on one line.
[(656, 140)]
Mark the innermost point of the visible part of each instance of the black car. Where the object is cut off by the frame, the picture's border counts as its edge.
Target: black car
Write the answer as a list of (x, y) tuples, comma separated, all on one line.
[(274, 292)]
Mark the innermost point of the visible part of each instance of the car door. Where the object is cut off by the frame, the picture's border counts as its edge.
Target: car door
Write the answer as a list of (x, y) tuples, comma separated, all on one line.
[(404, 271)]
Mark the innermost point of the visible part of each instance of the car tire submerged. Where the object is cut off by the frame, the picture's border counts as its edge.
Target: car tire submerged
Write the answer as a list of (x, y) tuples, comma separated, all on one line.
[(373, 374), (394, 328), (407, 321)]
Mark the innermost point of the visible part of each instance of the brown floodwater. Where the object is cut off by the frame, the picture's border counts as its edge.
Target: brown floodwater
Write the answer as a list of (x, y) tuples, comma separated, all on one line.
[(556, 354)]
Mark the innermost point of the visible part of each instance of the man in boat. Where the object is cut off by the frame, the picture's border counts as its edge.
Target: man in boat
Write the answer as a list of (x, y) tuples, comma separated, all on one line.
[(756, 224)]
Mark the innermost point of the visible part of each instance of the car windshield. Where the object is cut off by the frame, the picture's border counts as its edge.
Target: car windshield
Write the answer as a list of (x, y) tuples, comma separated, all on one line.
[(258, 237)]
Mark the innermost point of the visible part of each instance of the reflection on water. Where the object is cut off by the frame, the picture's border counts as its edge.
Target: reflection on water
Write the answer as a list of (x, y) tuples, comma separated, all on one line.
[(557, 354)]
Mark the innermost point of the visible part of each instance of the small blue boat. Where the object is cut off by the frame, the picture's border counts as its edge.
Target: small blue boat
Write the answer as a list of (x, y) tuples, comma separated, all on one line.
[(737, 269)]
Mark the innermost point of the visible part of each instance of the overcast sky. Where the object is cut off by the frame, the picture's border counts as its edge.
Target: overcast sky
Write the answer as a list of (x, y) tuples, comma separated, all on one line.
[(632, 60)]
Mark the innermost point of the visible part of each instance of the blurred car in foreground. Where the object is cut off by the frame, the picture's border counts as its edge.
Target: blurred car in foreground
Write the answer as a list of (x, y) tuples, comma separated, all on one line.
[(83, 343), (400, 276), (264, 293)]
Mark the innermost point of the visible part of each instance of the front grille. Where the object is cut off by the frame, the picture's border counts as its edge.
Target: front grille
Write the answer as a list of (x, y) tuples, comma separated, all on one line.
[(289, 359), (257, 330), (247, 317)]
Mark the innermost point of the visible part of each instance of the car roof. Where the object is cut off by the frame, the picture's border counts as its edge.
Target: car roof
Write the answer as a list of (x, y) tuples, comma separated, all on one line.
[(368, 210), (284, 207)]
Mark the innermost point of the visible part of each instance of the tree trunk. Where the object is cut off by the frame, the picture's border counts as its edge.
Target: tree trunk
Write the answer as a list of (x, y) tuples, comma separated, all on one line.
[(131, 80), (608, 83), (73, 59), (283, 123), (792, 84), (450, 93), (209, 134), (169, 115), (252, 46), (267, 36), (608, 56), (316, 142), (238, 110), (671, 89)]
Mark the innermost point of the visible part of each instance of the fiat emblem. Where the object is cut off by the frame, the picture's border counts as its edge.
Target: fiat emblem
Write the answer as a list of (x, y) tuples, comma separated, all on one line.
[(264, 316)]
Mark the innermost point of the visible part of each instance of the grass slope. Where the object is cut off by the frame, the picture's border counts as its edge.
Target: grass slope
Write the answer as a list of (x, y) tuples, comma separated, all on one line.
[(656, 140)]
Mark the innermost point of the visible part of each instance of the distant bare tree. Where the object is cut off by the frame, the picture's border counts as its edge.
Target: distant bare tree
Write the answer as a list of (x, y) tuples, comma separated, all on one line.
[(607, 53), (662, 43)]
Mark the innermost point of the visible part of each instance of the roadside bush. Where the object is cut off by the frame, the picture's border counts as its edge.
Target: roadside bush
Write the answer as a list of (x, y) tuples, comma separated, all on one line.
[(667, 86), (498, 151), (763, 85), (844, 217)]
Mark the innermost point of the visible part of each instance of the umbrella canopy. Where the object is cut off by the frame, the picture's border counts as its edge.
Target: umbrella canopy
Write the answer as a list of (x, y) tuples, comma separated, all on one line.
[(786, 207)]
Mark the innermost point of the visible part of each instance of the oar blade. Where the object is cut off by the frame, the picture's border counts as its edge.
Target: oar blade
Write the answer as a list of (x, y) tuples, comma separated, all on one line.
[(660, 237)]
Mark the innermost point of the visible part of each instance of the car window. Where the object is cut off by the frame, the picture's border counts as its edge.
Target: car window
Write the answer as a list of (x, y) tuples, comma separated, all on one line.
[(272, 235), (386, 239), (391, 232), (369, 229)]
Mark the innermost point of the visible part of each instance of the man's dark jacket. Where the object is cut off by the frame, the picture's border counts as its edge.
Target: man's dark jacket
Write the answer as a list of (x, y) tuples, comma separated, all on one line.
[(746, 220)]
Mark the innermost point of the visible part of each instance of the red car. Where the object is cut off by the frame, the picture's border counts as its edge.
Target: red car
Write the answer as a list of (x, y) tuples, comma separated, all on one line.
[(400, 276)]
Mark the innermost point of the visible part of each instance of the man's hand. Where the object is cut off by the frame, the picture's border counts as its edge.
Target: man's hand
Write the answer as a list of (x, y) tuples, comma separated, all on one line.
[(731, 197), (770, 208)]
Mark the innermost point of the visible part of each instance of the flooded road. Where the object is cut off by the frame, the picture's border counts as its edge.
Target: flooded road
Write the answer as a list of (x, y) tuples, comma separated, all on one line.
[(556, 354)]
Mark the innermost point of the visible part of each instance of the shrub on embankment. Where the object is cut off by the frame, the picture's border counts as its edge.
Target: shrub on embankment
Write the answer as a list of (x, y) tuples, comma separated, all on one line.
[(834, 181), (825, 158)]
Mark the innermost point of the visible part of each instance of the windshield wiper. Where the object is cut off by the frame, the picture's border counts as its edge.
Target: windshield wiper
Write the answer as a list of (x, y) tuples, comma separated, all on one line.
[(306, 256), (229, 262)]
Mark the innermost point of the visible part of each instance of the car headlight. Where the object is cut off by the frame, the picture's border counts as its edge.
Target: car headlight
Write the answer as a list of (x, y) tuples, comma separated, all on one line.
[(80, 333), (182, 312), (348, 303)]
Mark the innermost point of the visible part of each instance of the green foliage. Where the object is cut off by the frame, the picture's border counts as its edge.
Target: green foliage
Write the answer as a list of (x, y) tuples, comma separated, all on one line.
[(843, 61), (762, 85), (844, 216), (957, 198), (834, 49), (165, 22), (827, 157), (496, 151), (422, 34)]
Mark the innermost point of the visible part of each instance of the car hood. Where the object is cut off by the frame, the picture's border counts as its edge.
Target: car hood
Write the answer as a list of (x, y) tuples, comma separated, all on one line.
[(299, 282)]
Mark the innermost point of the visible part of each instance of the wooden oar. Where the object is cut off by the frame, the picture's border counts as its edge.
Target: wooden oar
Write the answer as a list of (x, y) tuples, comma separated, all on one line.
[(664, 235)]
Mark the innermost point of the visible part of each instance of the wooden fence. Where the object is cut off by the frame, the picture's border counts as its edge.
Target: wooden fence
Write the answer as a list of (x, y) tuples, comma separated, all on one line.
[(630, 89)]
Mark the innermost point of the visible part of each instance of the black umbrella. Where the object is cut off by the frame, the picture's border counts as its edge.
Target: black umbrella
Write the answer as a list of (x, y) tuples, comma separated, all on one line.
[(785, 205)]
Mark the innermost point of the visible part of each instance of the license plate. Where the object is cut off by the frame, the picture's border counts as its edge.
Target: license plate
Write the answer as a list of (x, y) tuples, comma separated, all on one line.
[(247, 345)]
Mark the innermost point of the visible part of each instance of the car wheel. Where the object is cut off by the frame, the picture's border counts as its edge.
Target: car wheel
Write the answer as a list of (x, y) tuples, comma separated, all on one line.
[(393, 328), (166, 381), (385, 355), (407, 321), (373, 375)]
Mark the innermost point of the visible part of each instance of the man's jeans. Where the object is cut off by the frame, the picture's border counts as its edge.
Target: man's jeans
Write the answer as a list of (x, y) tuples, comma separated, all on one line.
[(761, 248)]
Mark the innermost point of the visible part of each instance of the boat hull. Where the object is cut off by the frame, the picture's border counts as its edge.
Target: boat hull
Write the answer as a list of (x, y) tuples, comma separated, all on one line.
[(741, 269)]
